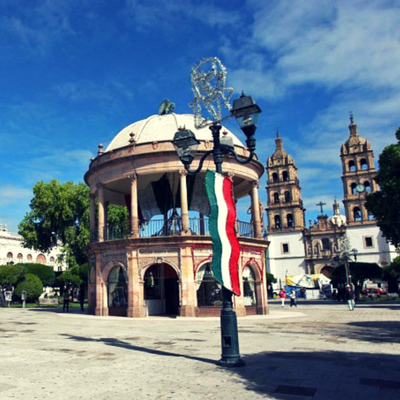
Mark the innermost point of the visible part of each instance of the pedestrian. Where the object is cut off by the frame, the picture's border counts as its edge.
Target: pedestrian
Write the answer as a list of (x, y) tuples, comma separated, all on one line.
[(82, 298), (350, 297), (293, 298), (282, 296), (66, 299)]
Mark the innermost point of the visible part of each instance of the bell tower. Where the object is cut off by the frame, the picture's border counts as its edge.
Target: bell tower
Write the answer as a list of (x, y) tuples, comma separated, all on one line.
[(284, 205), (358, 171)]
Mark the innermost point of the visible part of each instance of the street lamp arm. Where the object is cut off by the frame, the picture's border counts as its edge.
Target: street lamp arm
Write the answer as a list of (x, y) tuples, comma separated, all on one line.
[(204, 156), (242, 161)]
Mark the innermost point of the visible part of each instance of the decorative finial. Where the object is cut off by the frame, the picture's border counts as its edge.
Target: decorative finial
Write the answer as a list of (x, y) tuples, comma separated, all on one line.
[(166, 107), (132, 139), (100, 151), (277, 132), (351, 118)]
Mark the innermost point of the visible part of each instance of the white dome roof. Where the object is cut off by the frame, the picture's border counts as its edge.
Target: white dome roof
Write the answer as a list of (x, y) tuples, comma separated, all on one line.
[(162, 128)]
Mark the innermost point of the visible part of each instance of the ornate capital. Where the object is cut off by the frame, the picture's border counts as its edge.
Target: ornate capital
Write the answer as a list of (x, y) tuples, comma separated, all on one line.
[(183, 172), (255, 184), (230, 174), (133, 177)]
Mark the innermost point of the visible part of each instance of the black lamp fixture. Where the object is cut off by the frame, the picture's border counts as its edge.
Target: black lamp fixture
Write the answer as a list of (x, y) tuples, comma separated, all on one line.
[(186, 145)]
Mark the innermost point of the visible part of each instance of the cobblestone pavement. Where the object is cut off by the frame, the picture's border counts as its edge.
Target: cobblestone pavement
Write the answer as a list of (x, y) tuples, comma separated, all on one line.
[(318, 350)]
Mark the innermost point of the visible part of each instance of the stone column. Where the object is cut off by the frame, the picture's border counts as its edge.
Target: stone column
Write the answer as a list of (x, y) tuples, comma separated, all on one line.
[(99, 289), (134, 206), (100, 197), (188, 287), (184, 203), (255, 206), (92, 216)]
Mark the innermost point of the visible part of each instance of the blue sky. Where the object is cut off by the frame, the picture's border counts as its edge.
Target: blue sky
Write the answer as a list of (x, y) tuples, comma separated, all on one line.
[(73, 73)]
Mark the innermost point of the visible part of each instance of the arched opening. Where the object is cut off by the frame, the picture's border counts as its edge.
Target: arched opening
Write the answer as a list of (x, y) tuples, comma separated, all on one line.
[(353, 188), (290, 221), (352, 166), (363, 164), (276, 198), (209, 292), (249, 287), (357, 214), (285, 176), (371, 216), (19, 256), (275, 177), (117, 290), (327, 271), (29, 257), (41, 259), (367, 187), (287, 197), (161, 290), (326, 244), (277, 220), (10, 255)]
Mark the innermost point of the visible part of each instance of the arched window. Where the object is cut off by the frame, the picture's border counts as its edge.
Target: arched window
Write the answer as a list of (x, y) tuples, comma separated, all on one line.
[(117, 288), (353, 188), (275, 177), (363, 164), (287, 197), (357, 214), (352, 166), (29, 257), (285, 176), (10, 255), (19, 256), (277, 220), (41, 259), (209, 292), (367, 187), (249, 287), (51, 259), (370, 216), (290, 221), (276, 198)]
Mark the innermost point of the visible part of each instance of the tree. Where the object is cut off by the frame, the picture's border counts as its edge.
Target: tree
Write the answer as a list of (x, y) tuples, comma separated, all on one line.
[(359, 272), (271, 278), (391, 274), (9, 274), (59, 214), (32, 285), (385, 204)]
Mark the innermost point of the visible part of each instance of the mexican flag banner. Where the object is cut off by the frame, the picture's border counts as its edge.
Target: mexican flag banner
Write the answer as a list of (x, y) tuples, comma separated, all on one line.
[(226, 247)]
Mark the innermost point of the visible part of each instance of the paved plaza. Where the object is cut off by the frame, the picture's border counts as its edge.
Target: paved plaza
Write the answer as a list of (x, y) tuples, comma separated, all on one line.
[(318, 350)]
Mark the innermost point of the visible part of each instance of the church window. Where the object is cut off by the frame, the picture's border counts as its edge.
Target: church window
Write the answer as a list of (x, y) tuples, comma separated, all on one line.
[(326, 244), (352, 166), (357, 214), (275, 177), (353, 188), (363, 164), (209, 292), (368, 241), (367, 186), (285, 247), (285, 176), (371, 216), (276, 198), (277, 220), (287, 197), (290, 221)]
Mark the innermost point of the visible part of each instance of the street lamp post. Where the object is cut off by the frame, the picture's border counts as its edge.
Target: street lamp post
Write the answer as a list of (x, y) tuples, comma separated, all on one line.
[(246, 112)]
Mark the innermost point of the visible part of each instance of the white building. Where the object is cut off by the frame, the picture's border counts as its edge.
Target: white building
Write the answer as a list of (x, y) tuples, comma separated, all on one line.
[(296, 249), (12, 252)]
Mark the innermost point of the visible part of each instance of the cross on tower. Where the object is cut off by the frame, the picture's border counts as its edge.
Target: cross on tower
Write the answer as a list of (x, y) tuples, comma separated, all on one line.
[(320, 204)]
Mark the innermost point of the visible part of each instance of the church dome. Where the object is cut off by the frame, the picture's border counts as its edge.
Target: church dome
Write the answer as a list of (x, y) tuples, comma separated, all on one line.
[(355, 143), (162, 128)]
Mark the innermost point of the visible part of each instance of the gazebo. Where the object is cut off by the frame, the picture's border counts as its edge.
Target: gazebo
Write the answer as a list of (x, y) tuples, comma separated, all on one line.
[(161, 263)]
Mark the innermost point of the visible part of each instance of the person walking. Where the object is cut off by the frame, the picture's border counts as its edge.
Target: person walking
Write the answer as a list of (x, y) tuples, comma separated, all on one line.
[(293, 299), (66, 298), (350, 297), (282, 296)]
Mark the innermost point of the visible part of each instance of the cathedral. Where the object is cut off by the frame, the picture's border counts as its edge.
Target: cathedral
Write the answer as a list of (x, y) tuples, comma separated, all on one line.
[(296, 249)]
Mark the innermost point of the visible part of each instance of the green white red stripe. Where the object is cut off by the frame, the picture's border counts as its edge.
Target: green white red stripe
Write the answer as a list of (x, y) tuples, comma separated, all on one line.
[(226, 247)]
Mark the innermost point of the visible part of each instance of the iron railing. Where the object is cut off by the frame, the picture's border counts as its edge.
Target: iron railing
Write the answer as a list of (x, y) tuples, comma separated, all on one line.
[(157, 227)]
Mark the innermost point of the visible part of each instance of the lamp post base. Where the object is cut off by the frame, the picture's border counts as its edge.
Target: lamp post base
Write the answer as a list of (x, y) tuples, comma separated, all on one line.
[(229, 335)]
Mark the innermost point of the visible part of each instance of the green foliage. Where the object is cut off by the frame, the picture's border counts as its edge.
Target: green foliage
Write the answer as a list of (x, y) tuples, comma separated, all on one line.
[(70, 278), (9, 274), (385, 204), (59, 213), (43, 272), (271, 278), (32, 285), (391, 274), (118, 216), (359, 272)]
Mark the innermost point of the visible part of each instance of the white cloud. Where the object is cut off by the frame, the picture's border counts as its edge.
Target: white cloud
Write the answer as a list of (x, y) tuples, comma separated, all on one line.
[(10, 194)]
